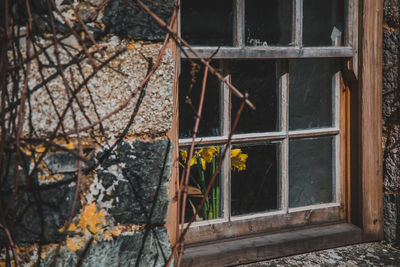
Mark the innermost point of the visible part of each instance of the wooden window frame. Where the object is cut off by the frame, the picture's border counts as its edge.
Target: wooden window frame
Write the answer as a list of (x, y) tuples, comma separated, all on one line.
[(361, 90), (257, 222), (241, 51)]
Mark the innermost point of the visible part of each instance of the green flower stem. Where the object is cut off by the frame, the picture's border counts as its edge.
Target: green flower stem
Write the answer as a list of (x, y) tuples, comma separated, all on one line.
[(203, 182), (214, 191), (218, 201)]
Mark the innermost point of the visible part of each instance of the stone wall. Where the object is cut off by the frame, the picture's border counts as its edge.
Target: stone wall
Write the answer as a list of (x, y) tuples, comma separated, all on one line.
[(391, 119), (123, 201), (123, 204)]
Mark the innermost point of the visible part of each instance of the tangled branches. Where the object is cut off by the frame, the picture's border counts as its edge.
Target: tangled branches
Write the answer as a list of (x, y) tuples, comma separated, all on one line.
[(72, 96)]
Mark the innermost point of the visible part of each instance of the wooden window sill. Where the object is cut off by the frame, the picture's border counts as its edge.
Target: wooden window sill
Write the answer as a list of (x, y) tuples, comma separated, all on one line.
[(272, 245)]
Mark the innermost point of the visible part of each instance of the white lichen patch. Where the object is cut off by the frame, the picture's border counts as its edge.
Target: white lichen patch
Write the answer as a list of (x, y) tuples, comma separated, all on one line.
[(97, 191)]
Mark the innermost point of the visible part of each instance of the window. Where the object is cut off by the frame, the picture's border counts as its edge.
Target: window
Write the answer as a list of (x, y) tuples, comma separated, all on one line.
[(286, 157)]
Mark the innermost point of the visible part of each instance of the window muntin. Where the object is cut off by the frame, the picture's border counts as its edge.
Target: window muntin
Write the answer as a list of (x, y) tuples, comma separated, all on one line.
[(286, 122)]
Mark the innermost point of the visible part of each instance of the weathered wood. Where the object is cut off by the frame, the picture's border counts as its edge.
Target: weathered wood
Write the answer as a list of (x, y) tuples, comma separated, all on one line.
[(225, 114), (257, 223), (345, 148), (298, 27), (283, 71), (235, 139), (271, 52), (172, 219), (355, 36), (238, 23), (352, 22), (370, 121), (313, 132), (349, 18), (338, 167), (261, 247), (253, 137)]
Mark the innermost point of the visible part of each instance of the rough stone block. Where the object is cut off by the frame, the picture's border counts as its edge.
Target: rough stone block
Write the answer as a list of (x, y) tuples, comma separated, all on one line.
[(61, 162), (154, 107), (148, 248), (392, 12), (135, 178), (391, 80), (43, 211), (391, 216), (7, 175), (96, 3), (127, 18)]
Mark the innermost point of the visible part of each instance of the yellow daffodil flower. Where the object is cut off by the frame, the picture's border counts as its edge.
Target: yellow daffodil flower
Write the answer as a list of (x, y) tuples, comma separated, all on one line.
[(193, 161), (208, 153), (184, 156), (238, 159), (203, 163)]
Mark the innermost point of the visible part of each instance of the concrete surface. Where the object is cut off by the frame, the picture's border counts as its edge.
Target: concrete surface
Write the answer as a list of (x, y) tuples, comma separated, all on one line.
[(367, 254)]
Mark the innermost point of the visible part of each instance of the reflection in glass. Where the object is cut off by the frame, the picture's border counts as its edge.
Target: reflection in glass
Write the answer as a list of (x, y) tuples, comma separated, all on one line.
[(311, 93), (207, 22), (258, 77), (311, 176), (268, 22), (203, 166), (323, 22), (254, 178), (189, 97)]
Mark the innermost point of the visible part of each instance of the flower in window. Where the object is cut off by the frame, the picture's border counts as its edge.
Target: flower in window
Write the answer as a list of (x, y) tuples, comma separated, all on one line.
[(208, 153), (238, 159), (184, 155)]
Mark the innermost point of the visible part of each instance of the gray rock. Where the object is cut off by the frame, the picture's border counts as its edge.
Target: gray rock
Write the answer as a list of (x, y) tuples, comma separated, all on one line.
[(391, 217), (391, 117), (127, 18), (141, 196), (7, 175), (147, 248), (61, 162), (84, 12), (96, 3), (43, 211), (367, 254), (392, 12)]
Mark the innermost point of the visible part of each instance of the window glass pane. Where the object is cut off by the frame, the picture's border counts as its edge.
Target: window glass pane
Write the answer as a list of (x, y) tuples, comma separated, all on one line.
[(310, 171), (311, 93), (258, 77), (207, 22), (255, 183), (323, 22), (190, 83), (268, 22), (203, 166)]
